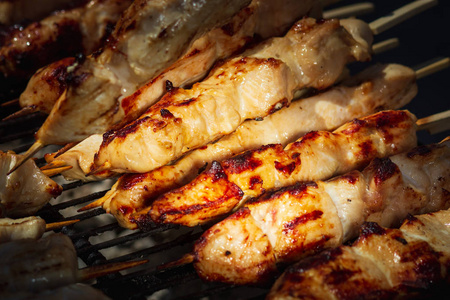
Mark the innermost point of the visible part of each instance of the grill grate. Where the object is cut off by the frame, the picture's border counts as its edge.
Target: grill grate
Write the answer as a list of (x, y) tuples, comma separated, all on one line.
[(99, 239)]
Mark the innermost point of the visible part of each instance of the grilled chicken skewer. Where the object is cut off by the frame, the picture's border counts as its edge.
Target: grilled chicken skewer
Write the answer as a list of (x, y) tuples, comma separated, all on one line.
[(228, 184), (149, 37), (284, 226), (16, 11), (380, 86), (40, 141), (81, 156), (25, 191), (27, 228), (382, 262), (216, 44), (50, 262), (64, 33), (252, 85)]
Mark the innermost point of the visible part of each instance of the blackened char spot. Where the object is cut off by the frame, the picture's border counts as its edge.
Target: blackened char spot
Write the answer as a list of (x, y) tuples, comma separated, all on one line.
[(169, 85), (314, 215), (241, 163), (422, 150), (165, 113), (285, 169), (370, 228), (384, 169)]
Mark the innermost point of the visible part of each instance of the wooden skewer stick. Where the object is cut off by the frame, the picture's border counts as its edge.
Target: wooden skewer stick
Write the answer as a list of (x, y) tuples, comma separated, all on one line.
[(10, 102), (23, 112), (399, 15), (349, 10), (58, 225), (102, 270), (433, 68), (385, 45), (55, 171), (436, 123), (38, 145)]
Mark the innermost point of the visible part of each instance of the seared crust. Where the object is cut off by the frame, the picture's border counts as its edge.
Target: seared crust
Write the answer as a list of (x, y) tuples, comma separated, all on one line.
[(382, 264), (351, 146), (381, 86), (253, 85), (308, 218)]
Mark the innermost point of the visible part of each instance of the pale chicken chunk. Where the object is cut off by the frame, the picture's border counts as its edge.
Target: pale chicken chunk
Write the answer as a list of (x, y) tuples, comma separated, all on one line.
[(25, 191), (24, 228)]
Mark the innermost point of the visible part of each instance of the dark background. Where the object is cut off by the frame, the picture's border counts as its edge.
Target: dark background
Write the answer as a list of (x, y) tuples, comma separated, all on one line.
[(423, 37)]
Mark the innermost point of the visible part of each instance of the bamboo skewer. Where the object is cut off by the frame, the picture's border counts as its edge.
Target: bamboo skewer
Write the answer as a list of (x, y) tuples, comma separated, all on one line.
[(349, 10), (376, 26), (10, 103), (436, 123), (399, 15), (102, 270), (50, 172), (58, 225)]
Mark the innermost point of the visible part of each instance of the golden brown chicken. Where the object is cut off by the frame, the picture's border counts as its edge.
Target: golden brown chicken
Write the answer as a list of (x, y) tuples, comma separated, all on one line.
[(318, 155), (379, 86), (383, 263), (284, 226), (252, 85)]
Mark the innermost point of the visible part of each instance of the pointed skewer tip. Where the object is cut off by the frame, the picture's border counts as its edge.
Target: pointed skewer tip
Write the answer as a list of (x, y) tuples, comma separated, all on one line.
[(30, 152)]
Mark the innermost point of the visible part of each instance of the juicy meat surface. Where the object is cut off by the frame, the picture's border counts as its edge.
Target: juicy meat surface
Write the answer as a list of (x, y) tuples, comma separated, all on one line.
[(252, 85), (148, 38), (300, 220), (316, 156), (382, 263)]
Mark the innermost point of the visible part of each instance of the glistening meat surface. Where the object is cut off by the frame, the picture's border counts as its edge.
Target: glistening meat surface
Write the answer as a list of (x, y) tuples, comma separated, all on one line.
[(252, 85), (316, 156), (284, 226)]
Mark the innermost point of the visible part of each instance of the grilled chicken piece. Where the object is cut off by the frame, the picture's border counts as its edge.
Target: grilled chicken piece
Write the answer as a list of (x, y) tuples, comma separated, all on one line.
[(65, 33), (252, 85), (149, 37), (318, 155), (264, 18), (382, 263), (46, 86), (16, 11), (25, 228), (380, 86), (33, 265), (25, 191), (81, 158), (284, 226)]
